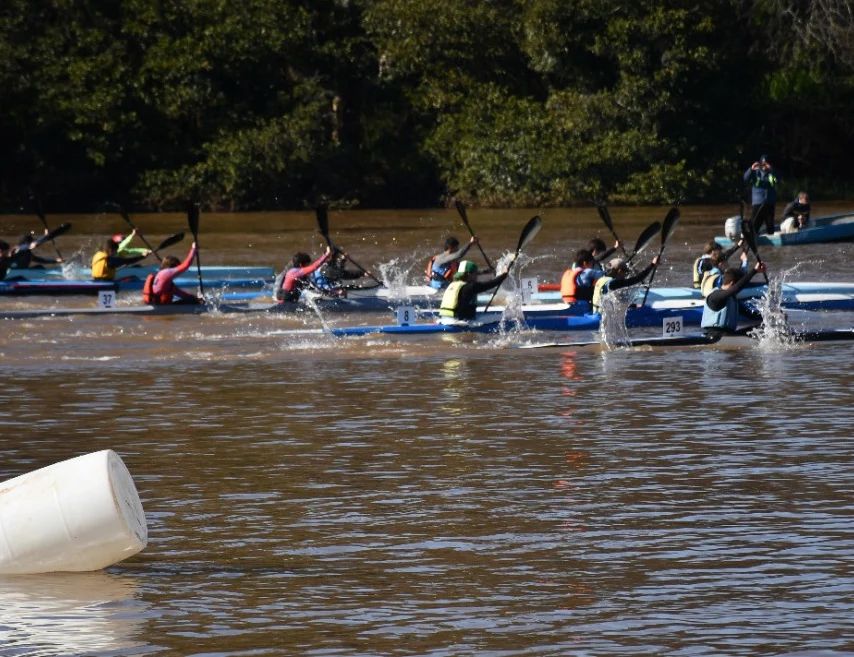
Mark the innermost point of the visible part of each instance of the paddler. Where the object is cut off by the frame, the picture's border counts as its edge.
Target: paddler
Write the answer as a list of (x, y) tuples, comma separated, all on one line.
[(442, 267), (459, 303), (721, 310), (712, 253), (23, 256), (291, 282), (601, 252), (110, 257), (577, 282), (328, 278), (617, 277), (714, 271), (159, 289)]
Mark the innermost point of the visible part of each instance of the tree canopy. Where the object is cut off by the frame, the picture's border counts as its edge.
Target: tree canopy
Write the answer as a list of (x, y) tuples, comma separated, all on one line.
[(277, 103)]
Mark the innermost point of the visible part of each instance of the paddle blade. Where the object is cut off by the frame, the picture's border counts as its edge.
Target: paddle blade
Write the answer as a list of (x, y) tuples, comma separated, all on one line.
[(529, 232), (193, 219), (646, 237), (669, 224), (322, 214), (461, 209), (169, 241), (605, 216), (56, 232)]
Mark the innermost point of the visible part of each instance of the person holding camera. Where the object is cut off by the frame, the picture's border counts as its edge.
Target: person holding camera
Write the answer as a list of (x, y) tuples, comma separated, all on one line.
[(763, 182)]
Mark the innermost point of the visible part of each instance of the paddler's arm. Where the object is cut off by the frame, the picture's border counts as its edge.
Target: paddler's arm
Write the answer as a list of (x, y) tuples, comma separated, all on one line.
[(445, 258), (717, 299), (619, 283), (127, 251)]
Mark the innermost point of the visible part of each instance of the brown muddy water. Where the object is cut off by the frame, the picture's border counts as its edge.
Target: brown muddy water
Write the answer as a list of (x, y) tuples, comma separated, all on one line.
[(307, 495)]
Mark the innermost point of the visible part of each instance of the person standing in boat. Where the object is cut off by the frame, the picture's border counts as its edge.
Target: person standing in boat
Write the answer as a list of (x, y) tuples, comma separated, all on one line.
[(577, 282), (459, 303), (796, 215), (107, 259), (442, 267), (763, 183), (290, 283), (159, 289), (721, 309), (617, 277)]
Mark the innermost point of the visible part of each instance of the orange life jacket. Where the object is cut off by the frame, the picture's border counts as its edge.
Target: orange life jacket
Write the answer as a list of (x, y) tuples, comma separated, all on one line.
[(149, 296), (569, 284)]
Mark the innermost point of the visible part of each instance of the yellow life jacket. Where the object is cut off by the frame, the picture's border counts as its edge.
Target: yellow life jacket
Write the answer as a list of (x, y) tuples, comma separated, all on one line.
[(598, 293), (710, 281), (101, 270), (451, 299), (698, 275)]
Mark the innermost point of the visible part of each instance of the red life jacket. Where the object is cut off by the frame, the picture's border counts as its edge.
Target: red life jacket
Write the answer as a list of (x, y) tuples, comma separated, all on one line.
[(149, 296)]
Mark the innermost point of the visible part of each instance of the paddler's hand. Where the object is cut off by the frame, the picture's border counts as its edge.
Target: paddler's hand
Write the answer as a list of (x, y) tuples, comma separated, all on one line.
[(473, 239), (655, 261), (761, 267)]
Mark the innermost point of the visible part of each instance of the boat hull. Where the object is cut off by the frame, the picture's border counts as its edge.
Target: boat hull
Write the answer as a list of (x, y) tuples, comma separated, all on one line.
[(836, 228)]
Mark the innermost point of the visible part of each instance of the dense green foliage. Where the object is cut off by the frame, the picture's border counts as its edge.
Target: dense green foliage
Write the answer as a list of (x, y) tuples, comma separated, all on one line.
[(277, 103)]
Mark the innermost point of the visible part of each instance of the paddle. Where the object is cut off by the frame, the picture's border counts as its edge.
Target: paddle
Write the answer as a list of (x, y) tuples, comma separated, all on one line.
[(750, 237), (126, 217), (56, 232), (322, 214), (165, 244), (528, 233), (49, 236), (667, 228), (605, 215), (461, 209), (193, 222), (645, 238)]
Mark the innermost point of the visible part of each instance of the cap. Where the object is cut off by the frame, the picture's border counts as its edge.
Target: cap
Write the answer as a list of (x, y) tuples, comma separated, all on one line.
[(117, 238), (467, 267), (616, 263), (763, 159)]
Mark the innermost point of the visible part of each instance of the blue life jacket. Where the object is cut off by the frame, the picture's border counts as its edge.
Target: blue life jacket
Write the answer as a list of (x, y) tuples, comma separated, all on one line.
[(725, 318)]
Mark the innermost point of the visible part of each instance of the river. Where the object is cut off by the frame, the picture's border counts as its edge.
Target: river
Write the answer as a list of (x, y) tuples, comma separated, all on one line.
[(307, 495)]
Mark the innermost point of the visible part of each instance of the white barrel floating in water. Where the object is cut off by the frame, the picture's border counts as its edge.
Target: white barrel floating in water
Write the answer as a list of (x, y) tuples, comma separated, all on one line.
[(732, 228), (79, 514)]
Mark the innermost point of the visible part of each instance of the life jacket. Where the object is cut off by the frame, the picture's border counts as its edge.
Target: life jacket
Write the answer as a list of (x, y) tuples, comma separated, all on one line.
[(451, 299), (711, 281), (101, 270), (698, 275), (295, 292), (569, 284), (150, 297), (725, 318), (600, 289), (321, 281), (278, 292), (439, 275)]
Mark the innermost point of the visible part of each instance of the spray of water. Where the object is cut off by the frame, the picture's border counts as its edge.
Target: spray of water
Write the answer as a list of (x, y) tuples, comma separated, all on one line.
[(612, 326), (775, 334)]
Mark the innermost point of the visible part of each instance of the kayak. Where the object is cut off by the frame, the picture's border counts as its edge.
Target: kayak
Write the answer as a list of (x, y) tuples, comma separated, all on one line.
[(834, 228), (148, 310), (141, 271), (797, 295), (700, 339), (494, 322), (61, 286)]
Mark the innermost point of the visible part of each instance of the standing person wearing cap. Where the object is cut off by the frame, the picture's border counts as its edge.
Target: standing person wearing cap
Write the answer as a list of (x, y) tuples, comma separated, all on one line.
[(107, 259), (442, 267), (459, 303), (617, 277), (763, 183)]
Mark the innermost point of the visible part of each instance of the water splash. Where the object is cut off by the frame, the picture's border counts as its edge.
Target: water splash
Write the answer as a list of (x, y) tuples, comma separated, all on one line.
[(612, 326), (395, 275), (774, 334)]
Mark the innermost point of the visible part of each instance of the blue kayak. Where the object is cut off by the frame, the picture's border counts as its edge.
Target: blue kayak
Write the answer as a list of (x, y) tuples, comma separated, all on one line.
[(635, 317), (835, 228), (141, 271), (61, 286)]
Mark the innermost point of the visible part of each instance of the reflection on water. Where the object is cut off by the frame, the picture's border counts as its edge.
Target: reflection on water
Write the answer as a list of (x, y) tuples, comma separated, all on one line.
[(311, 496), (70, 614)]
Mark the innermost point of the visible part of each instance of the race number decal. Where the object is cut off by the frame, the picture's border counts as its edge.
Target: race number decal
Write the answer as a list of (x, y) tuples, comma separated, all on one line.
[(529, 288), (671, 327), (405, 315), (106, 298)]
